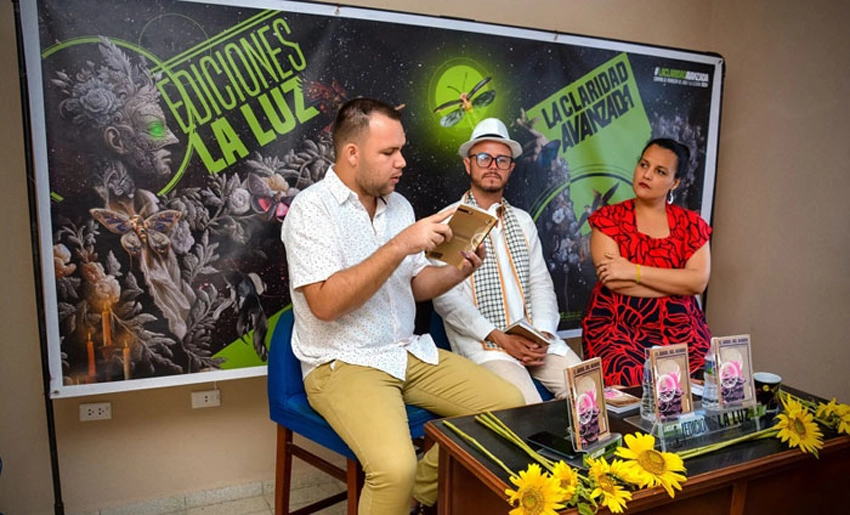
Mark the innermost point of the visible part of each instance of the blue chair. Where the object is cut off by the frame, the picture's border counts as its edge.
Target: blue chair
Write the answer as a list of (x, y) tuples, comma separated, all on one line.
[(438, 332), (288, 407)]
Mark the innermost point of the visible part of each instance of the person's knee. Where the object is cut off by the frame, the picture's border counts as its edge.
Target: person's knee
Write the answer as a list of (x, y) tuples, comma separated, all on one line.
[(393, 470), (508, 393), (510, 397)]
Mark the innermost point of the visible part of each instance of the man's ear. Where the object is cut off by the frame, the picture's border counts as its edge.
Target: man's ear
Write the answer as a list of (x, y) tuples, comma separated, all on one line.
[(351, 154), (113, 141), (467, 162)]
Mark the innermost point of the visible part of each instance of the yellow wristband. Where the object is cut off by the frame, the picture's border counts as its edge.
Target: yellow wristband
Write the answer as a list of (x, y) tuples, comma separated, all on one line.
[(637, 281)]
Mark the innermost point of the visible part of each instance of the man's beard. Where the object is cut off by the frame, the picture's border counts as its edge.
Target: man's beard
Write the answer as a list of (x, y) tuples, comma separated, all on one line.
[(487, 186)]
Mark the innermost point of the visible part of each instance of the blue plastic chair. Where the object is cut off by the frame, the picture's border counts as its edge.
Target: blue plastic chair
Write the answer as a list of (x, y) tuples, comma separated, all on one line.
[(438, 332), (288, 407)]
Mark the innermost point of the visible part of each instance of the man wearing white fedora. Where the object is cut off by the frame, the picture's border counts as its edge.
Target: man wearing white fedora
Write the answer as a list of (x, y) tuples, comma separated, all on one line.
[(513, 282)]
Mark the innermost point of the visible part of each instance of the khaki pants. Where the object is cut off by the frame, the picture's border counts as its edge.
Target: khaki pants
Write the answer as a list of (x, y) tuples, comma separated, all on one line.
[(366, 409)]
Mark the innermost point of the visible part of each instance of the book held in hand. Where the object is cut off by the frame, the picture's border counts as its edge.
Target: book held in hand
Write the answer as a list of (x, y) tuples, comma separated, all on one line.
[(470, 225), (522, 328)]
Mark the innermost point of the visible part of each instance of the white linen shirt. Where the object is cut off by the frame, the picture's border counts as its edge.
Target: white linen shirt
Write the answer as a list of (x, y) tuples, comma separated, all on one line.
[(467, 328), (327, 230)]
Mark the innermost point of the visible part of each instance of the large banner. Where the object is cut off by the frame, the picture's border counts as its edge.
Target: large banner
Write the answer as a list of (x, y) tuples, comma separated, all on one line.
[(169, 138)]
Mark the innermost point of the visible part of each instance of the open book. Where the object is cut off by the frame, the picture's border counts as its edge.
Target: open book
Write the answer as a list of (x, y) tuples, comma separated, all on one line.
[(522, 328), (470, 226)]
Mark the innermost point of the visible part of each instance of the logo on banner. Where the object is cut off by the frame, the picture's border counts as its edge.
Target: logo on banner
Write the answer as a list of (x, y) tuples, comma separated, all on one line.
[(682, 77), (244, 77)]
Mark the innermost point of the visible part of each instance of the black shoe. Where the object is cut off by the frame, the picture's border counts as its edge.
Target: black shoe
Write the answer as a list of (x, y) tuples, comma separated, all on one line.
[(421, 509)]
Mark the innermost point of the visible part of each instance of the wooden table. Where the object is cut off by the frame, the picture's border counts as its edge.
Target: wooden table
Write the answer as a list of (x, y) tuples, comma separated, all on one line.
[(749, 478)]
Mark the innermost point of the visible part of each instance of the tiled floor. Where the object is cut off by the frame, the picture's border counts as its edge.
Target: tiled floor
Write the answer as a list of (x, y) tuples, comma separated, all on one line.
[(308, 485)]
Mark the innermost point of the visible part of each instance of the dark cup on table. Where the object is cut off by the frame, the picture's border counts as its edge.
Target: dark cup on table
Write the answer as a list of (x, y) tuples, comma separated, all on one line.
[(767, 390)]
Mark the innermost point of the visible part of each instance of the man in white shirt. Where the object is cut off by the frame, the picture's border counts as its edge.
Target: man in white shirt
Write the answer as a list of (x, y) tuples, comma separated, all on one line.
[(512, 284), (357, 269)]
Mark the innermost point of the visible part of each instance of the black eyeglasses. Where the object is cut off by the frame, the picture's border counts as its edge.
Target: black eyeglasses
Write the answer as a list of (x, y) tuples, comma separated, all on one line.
[(484, 159)]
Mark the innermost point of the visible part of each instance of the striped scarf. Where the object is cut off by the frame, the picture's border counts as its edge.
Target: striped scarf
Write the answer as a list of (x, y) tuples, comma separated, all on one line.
[(487, 281)]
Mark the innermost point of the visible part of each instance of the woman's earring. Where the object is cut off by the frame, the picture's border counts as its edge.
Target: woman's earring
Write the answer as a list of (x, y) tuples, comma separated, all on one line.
[(670, 197)]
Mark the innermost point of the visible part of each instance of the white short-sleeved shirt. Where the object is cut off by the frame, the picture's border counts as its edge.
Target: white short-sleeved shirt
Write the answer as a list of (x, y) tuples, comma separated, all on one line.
[(327, 230)]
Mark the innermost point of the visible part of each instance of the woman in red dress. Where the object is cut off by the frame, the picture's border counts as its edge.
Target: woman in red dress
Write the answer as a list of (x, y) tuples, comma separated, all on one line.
[(652, 258)]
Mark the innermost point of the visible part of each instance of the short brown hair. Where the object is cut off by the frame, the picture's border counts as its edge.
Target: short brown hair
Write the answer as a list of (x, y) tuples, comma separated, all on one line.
[(353, 117)]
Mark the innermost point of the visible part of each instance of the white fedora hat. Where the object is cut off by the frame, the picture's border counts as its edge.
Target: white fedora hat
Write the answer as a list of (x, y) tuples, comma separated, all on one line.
[(490, 129)]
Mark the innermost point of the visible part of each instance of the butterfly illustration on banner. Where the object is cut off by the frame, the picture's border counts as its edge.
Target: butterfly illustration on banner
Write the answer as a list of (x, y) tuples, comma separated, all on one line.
[(147, 238), (270, 196), (466, 103), (328, 98), (139, 233)]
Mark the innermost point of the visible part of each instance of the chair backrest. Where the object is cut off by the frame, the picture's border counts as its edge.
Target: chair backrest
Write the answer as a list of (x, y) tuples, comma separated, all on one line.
[(438, 331), (284, 369)]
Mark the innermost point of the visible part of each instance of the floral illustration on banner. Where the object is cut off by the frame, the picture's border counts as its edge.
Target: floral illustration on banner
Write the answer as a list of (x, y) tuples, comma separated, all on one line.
[(154, 281)]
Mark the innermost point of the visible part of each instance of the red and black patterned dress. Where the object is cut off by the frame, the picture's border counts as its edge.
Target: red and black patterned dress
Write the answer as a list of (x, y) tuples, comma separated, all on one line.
[(618, 328)]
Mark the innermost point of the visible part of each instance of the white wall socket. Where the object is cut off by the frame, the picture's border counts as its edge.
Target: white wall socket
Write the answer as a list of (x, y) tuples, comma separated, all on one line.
[(95, 411), (206, 399)]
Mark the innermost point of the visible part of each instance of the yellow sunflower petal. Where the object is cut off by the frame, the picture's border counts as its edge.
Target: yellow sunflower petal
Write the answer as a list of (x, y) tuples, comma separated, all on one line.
[(825, 410), (844, 424), (536, 494), (568, 479), (613, 495), (646, 466), (798, 429)]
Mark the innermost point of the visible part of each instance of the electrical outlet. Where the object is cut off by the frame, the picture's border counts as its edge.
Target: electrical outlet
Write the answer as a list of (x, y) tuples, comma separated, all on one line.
[(206, 399), (95, 411)]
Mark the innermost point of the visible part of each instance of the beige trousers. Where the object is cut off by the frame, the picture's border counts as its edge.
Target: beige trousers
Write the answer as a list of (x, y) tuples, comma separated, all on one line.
[(366, 408)]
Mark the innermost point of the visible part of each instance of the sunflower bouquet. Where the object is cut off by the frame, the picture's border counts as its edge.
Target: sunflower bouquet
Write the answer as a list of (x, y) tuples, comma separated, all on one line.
[(546, 486)]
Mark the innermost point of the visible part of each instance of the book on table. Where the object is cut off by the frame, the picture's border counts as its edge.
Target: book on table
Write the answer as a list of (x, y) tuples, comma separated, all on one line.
[(586, 411), (469, 225), (734, 372), (619, 401), (671, 380), (523, 328)]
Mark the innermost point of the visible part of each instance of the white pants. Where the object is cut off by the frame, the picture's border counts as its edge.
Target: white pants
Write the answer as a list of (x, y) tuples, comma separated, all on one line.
[(551, 374)]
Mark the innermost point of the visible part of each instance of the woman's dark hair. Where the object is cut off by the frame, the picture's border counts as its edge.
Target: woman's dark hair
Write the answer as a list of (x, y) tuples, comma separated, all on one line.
[(683, 154), (353, 118)]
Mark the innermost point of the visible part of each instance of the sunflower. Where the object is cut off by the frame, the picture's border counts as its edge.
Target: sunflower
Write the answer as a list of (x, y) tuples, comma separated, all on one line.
[(797, 426), (536, 494), (568, 479), (650, 467), (836, 416), (844, 423), (605, 485), (827, 410)]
